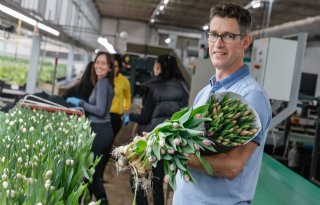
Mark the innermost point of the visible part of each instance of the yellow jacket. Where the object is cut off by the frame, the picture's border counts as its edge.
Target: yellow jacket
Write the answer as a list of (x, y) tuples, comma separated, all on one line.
[(122, 95)]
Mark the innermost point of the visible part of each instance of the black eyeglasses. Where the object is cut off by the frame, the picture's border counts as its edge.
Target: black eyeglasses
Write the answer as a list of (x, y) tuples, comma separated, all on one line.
[(225, 37)]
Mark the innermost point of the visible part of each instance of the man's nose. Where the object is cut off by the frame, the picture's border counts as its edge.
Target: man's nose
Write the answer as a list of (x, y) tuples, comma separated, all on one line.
[(219, 41)]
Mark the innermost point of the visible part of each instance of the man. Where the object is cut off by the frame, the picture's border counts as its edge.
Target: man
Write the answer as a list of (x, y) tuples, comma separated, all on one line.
[(235, 173)]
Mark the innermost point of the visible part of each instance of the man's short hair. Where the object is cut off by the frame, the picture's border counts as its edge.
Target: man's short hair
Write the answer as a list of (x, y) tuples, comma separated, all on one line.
[(232, 10)]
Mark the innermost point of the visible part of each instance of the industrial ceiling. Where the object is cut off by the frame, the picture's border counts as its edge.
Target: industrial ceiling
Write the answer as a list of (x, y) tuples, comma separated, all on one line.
[(195, 13)]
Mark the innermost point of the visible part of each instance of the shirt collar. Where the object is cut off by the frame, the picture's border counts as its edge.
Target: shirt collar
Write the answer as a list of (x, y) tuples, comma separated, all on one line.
[(231, 79)]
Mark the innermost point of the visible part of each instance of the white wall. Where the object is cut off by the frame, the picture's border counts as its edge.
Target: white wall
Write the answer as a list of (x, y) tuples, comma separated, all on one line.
[(138, 32), (312, 62)]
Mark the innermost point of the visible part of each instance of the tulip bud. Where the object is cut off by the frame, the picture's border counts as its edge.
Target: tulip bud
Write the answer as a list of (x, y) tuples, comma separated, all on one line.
[(197, 147), (177, 141), (214, 111), (163, 151), (210, 133), (245, 132), (206, 142), (48, 174), (11, 193), (161, 142), (150, 143), (186, 178), (5, 184), (68, 162), (171, 151), (175, 125), (186, 154), (4, 177), (254, 131), (246, 113), (172, 167), (19, 160), (52, 188), (19, 176), (197, 116), (47, 186)]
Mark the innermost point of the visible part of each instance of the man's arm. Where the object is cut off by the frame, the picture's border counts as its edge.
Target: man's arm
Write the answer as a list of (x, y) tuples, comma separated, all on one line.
[(229, 164)]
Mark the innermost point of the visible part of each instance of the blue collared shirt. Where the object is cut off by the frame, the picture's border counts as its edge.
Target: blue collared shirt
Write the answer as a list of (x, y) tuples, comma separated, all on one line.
[(211, 190)]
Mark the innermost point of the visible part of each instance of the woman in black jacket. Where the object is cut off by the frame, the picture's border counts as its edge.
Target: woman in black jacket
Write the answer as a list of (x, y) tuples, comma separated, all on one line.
[(164, 95)]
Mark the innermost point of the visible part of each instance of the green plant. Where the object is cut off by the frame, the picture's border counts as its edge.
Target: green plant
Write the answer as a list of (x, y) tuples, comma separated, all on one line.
[(44, 157), (16, 70)]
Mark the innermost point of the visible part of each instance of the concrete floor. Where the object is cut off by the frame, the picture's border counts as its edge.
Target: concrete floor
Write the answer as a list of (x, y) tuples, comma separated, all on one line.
[(118, 186)]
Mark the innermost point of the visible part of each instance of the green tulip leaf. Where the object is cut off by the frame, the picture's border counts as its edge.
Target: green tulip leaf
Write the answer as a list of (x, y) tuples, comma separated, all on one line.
[(204, 163), (140, 146), (156, 150), (178, 114)]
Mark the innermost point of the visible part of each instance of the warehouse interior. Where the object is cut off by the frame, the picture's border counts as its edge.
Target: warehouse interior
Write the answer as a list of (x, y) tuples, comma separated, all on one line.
[(46, 45)]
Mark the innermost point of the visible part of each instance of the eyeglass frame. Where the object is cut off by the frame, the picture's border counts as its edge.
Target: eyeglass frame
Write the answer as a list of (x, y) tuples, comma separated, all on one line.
[(221, 36)]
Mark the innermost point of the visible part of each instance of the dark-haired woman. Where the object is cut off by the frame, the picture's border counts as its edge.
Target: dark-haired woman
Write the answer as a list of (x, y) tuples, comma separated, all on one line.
[(98, 110), (84, 87)]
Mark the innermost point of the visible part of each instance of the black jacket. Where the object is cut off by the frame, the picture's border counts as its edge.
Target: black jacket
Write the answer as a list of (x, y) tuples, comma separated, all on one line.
[(160, 101)]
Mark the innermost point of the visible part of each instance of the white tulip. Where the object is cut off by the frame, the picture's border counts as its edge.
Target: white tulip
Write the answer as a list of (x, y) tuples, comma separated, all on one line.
[(4, 177), (5, 184)]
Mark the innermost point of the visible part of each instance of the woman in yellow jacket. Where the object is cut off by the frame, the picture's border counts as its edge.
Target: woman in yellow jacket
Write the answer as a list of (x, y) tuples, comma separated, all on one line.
[(122, 96)]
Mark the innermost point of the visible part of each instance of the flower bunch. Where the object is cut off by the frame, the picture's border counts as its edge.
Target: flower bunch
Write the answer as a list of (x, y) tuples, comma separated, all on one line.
[(225, 119), (233, 122), (44, 157)]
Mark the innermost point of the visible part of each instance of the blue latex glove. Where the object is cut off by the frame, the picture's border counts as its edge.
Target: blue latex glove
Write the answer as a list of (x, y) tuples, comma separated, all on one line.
[(125, 119), (73, 100)]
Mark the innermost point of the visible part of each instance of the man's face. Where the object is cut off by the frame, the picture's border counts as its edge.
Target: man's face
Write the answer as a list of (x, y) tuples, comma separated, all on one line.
[(227, 55)]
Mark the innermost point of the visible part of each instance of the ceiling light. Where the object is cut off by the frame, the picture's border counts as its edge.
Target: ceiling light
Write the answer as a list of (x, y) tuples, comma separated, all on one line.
[(48, 29), (104, 42), (167, 41), (28, 20), (17, 15), (256, 4), (159, 8), (123, 35), (205, 27)]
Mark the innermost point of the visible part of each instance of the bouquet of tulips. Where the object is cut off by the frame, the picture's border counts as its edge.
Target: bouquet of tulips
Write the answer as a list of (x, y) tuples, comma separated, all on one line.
[(226, 120)]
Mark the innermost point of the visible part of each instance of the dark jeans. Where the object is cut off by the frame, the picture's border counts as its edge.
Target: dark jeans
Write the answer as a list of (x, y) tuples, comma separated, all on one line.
[(157, 187), (101, 146), (116, 122)]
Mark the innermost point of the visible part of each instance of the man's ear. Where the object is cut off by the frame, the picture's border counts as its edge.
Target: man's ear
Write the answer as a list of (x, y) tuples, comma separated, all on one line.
[(247, 40)]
